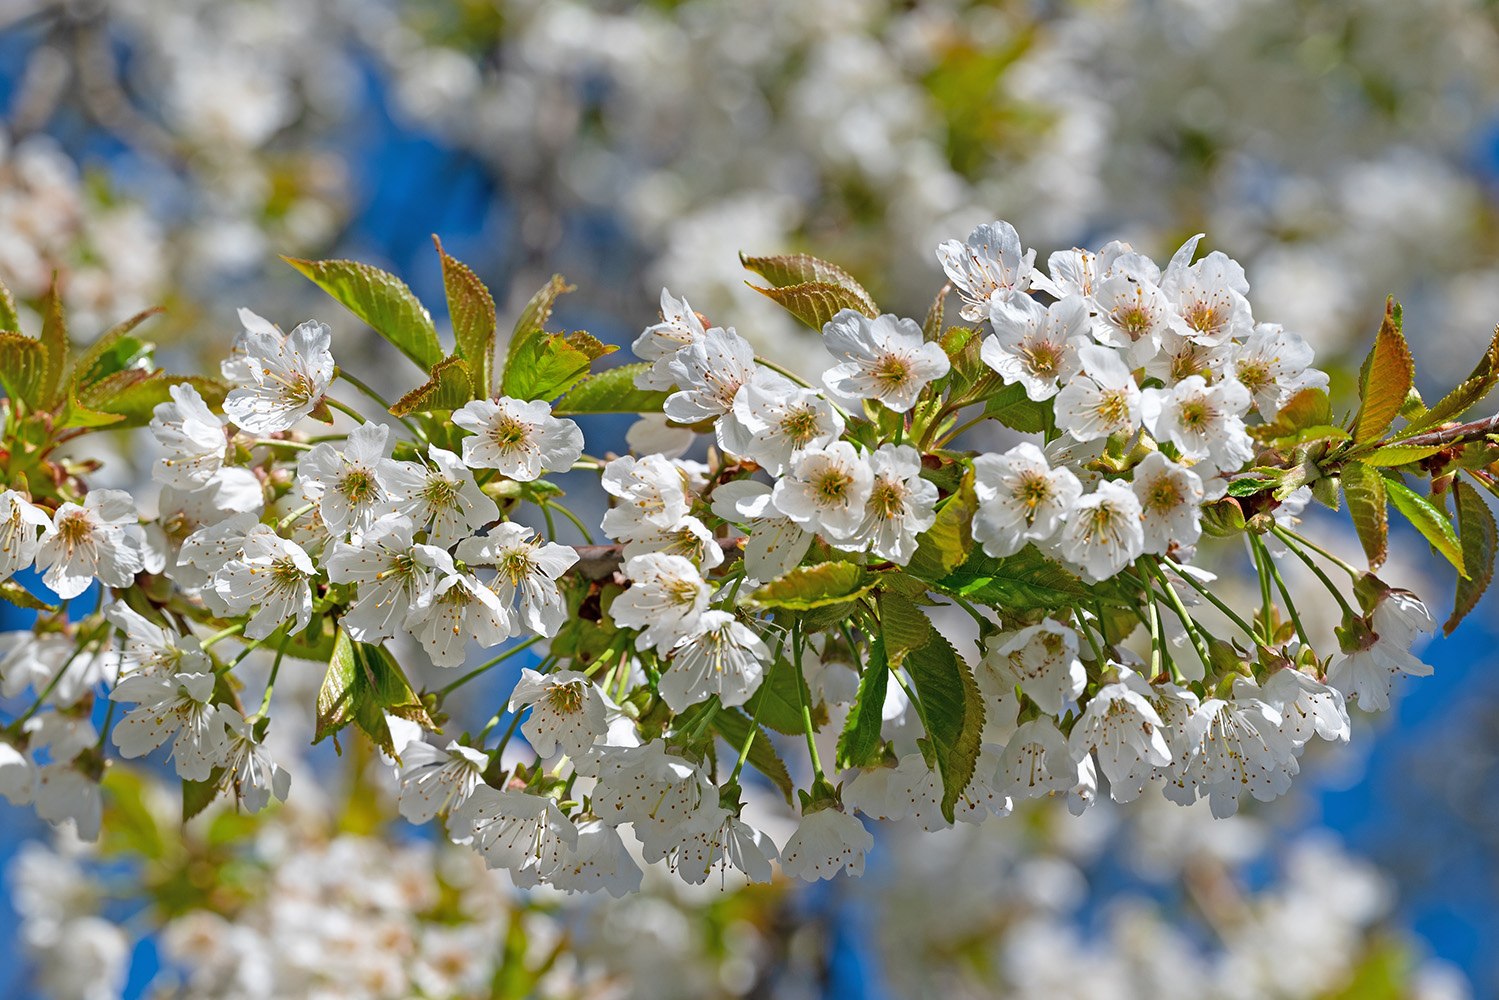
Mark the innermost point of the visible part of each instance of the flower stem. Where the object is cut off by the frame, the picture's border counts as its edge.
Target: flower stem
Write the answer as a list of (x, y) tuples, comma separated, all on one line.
[(1293, 543), (587, 537), (270, 683), (288, 520), (801, 699), (1285, 595), (214, 639), (46, 692), (1228, 612), (1288, 535), (444, 691), (1193, 632), (346, 409)]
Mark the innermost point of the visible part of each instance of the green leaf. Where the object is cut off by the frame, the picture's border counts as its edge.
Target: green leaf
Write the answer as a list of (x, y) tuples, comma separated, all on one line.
[(1480, 538), (532, 321), (903, 626), (775, 702), (1365, 490), (1432, 523), (18, 595), (449, 388), (1017, 411), (945, 546), (1026, 580), (114, 351), (859, 743), (789, 270), (809, 587), (54, 341), (931, 328), (816, 302), (1385, 378), (1468, 393), (199, 795), (380, 299), (611, 391), (953, 711), (362, 684), (734, 727), (471, 309), (1398, 454), (23, 368), (9, 318), (1250, 485), (134, 394), (550, 364), (339, 691)]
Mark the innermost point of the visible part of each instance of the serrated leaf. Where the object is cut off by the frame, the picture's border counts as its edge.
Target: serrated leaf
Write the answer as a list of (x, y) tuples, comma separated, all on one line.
[(134, 394), (1026, 580), (199, 795), (945, 546), (1479, 383), (362, 685), (788, 270), (1307, 408), (75, 414), (23, 368), (931, 327), (448, 388), (903, 626), (1480, 539), (549, 365), (1386, 377), (1250, 485), (1398, 454), (338, 693), (18, 595), (860, 740), (611, 391), (9, 318), (1365, 490), (114, 351), (815, 302), (380, 299), (1017, 411), (775, 702), (953, 711), (532, 321), (471, 310), (1430, 522), (54, 341), (809, 587), (734, 727)]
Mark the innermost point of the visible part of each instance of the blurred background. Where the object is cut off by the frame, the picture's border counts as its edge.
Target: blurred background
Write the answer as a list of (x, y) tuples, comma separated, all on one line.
[(166, 151)]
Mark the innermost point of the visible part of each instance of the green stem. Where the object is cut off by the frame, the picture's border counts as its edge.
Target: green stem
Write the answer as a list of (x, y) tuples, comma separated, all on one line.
[(782, 371), (1285, 595), (288, 520), (1288, 535), (442, 692), (416, 431), (1291, 541), (1193, 633), (270, 683), (346, 409), (1267, 603), (1228, 612), (587, 537), (952, 435), (214, 639), (46, 692), (806, 709), (974, 612), (546, 512), (279, 443), (1082, 626)]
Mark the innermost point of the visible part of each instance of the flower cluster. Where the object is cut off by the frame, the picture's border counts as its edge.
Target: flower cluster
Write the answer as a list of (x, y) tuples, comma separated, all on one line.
[(802, 578)]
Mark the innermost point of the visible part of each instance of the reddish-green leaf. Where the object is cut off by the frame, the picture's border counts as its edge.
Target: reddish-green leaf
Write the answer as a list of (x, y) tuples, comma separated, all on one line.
[(1480, 539), (1425, 517), (54, 341), (1386, 377), (471, 309), (799, 269), (449, 387), (9, 319), (23, 368), (611, 391), (815, 302), (382, 300), (532, 321), (1472, 389), (1365, 490)]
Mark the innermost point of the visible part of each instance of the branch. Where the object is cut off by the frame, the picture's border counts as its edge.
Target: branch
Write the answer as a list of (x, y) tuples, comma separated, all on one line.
[(1456, 434)]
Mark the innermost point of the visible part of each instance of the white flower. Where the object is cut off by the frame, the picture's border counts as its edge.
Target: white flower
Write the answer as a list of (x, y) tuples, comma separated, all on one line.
[(1037, 761), (20, 521), (47, 661), (249, 771), (1241, 749), (1180, 357), (666, 598), (826, 842), (1401, 615), (690, 539), (1205, 422), (192, 436), (599, 861), (520, 439), (236, 366), (659, 792), (1307, 707), (1034, 345), (1021, 499), (102, 538), (180, 513), (826, 490), (527, 835), (461, 608), (1374, 655), (1103, 533), (1274, 365), (914, 789), (1170, 498), (17, 775), (283, 379), (709, 374), (528, 573), (989, 265), (1104, 400), (393, 574), (652, 494), (776, 544), (64, 792), (679, 328), (352, 487), (149, 648), (271, 578), (566, 711), (773, 419), (886, 358), (1080, 272), (207, 550), (1043, 659), (716, 838), (655, 434), (901, 505), (434, 781), (180, 706), (1133, 315), (721, 656), (1210, 296), (1123, 727)]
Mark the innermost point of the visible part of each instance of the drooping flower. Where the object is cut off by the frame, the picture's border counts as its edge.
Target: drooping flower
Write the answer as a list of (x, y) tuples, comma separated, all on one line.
[(528, 571), (271, 578), (1170, 498), (1034, 345), (249, 771), (1037, 761), (653, 789), (149, 648), (599, 861), (525, 834), (776, 544), (652, 494), (178, 707), (192, 437), (352, 486), (1103, 532), (1124, 729), (990, 264), (660, 342), (567, 711), (1376, 651), (393, 574), (721, 656), (1242, 749), (1104, 400), (708, 374), (1043, 660), (437, 781), (666, 598), (825, 843), (1307, 707), (1021, 498), (462, 608), (826, 490), (100, 539), (281, 380), (20, 522), (886, 359), (1205, 422)]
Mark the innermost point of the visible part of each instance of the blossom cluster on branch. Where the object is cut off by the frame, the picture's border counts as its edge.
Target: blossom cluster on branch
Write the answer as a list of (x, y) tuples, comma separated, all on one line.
[(825, 527)]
